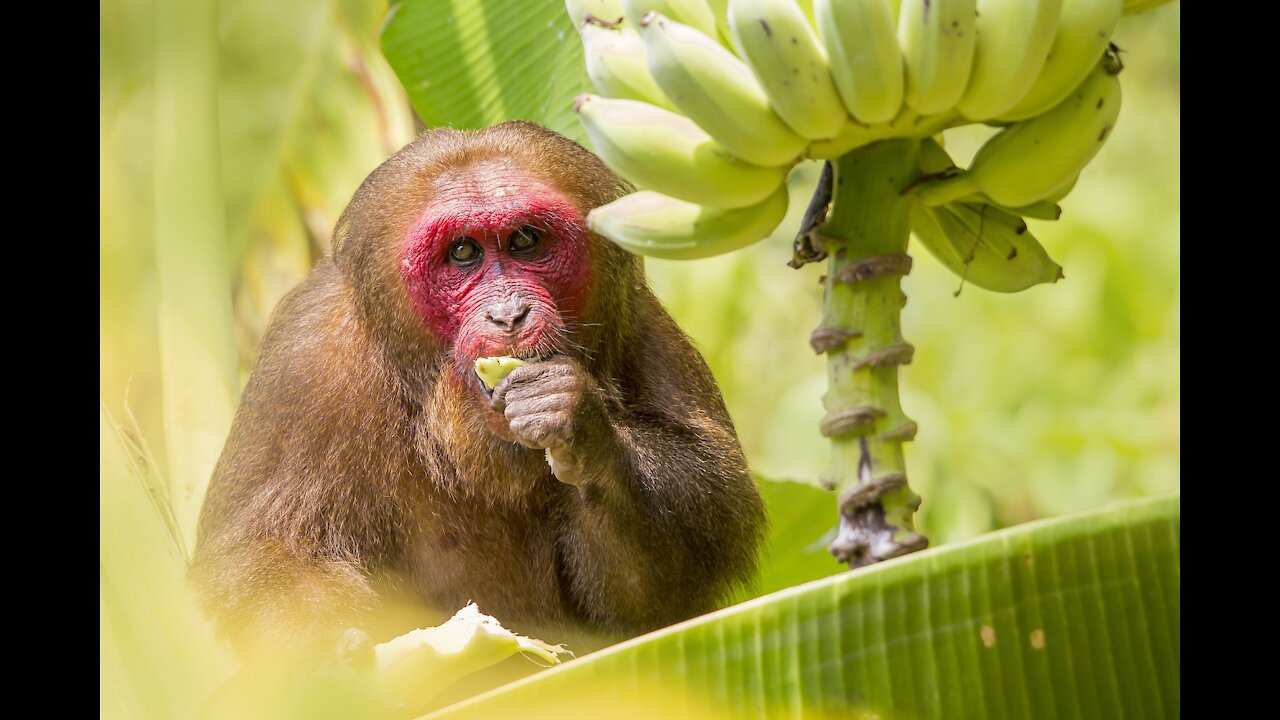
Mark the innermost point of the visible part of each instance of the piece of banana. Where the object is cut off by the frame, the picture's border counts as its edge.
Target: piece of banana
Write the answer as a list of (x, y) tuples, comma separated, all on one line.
[(717, 91), (607, 10), (648, 223), (1014, 37), (937, 38), (1034, 159), (984, 245), (776, 40), (616, 64), (862, 50), (491, 370), (694, 13), (669, 153), (1084, 30)]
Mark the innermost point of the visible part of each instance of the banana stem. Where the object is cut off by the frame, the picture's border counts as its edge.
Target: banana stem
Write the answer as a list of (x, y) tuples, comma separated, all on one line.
[(865, 237)]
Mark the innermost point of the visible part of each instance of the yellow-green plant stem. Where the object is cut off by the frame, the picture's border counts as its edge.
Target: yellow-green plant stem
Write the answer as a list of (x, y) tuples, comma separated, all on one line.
[(865, 237), (196, 333)]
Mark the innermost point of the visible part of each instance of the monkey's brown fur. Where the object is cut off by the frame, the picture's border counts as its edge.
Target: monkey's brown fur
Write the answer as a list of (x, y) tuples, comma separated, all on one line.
[(359, 466)]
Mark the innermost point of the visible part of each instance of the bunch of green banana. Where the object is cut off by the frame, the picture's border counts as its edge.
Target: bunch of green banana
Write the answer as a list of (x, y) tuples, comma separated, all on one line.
[(615, 60), (1032, 160), (711, 102), (669, 153), (648, 223), (984, 245)]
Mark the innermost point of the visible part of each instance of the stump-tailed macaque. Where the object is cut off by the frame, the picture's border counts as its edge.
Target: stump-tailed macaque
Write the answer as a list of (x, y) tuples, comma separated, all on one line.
[(368, 461)]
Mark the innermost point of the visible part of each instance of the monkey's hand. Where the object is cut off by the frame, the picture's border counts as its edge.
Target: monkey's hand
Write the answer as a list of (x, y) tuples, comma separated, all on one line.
[(555, 405)]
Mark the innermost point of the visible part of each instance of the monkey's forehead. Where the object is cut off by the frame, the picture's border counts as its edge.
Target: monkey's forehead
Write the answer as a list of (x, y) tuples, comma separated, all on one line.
[(491, 180)]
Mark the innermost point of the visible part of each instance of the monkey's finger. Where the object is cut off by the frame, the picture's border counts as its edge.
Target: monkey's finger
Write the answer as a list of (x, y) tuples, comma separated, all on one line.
[(542, 387), (541, 430), (538, 404), (558, 374)]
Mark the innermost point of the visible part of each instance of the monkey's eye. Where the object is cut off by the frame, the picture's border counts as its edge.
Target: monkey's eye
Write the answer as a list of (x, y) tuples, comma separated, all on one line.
[(465, 251), (523, 239)]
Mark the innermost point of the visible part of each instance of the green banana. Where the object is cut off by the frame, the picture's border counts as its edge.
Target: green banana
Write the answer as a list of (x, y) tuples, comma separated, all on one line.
[(1014, 37), (1133, 7), (866, 64), (937, 39), (616, 64), (694, 13), (984, 245), (607, 10), (935, 160), (647, 223), (1084, 29), (1034, 159), (717, 91), (776, 40), (669, 153)]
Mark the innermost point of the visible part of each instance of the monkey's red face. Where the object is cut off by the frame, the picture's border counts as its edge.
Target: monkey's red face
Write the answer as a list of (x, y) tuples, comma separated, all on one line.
[(497, 264)]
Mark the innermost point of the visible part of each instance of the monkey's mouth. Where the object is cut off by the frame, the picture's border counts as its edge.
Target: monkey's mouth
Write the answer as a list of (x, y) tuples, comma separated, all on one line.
[(525, 357)]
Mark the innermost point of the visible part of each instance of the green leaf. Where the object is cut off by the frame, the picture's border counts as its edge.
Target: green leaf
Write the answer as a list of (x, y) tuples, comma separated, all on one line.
[(1069, 617), (472, 64)]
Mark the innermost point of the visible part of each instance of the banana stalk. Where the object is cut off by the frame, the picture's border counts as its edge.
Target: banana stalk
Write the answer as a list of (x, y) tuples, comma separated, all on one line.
[(865, 238)]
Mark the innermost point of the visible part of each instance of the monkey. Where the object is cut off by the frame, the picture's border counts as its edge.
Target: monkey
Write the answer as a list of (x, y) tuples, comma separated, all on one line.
[(601, 485)]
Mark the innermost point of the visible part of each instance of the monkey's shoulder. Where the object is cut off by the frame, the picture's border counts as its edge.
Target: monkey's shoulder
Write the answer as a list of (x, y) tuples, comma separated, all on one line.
[(318, 369)]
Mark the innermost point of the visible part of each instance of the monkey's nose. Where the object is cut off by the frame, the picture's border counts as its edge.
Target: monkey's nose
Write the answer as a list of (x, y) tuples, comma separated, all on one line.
[(508, 315)]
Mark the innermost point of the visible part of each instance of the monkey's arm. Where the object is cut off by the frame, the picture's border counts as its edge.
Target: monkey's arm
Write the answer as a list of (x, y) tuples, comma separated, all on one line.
[(290, 522), (663, 518)]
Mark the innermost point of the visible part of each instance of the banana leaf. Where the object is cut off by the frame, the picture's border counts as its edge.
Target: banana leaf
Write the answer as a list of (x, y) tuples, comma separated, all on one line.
[(472, 64), (1069, 617)]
